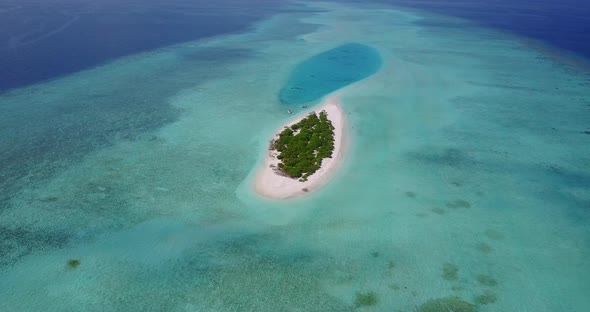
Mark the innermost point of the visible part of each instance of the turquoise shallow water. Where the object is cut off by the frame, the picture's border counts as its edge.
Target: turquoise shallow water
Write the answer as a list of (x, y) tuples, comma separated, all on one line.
[(329, 71), (467, 152)]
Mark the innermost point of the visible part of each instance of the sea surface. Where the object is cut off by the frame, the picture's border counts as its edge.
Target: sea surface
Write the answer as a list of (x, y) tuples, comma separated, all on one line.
[(42, 40), (126, 177), (329, 71), (564, 25)]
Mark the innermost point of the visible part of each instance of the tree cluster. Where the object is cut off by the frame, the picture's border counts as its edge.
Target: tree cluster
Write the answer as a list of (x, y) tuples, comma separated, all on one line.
[(304, 145)]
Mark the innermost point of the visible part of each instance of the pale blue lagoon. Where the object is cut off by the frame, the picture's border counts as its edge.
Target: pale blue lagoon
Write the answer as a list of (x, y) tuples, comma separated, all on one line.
[(128, 186)]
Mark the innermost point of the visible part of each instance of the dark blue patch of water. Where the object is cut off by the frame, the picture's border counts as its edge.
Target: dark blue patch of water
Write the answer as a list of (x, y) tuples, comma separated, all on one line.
[(329, 71), (562, 24), (42, 40)]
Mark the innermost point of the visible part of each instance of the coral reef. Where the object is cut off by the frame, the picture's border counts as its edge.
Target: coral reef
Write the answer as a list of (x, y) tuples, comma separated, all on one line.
[(447, 304), (366, 299), (486, 280), (73, 263), (438, 210), (450, 271), (484, 248), (494, 234), (486, 298), (459, 203)]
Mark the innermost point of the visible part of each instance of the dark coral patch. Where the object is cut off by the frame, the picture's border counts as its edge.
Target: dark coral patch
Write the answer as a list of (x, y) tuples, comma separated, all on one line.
[(366, 299), (486, 280), (447, 304), (438, 210), (486, 298), (485, 248), (73, 263), (493, 234), (391, 264), (459, 203), (450, 272)]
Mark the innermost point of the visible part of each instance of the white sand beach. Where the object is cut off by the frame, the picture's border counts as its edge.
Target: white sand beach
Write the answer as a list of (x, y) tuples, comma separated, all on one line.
[(271, 184)]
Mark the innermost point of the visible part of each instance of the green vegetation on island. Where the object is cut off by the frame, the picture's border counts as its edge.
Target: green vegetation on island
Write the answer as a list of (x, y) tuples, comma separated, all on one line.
[(304, 145)]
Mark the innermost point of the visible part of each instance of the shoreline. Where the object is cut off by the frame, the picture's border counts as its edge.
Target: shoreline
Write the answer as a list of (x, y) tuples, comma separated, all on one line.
[(270, 184)]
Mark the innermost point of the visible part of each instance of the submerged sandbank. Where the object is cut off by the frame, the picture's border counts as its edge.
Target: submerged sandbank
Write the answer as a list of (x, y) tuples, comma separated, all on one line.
[(272, 184)]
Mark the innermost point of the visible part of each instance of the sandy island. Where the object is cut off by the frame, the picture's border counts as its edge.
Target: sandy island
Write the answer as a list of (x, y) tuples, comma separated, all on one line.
[(271, 184)]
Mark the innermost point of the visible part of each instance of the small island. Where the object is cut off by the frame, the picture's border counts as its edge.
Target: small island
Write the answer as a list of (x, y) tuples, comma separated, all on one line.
[(304, 145), (304, 153)]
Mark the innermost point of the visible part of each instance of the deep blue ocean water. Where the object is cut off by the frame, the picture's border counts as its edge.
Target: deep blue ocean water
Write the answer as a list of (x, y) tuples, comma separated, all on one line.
[(560, 24), (41, 40), (45, 40), (328, 72)]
